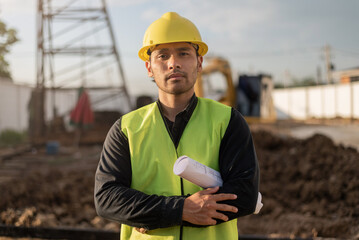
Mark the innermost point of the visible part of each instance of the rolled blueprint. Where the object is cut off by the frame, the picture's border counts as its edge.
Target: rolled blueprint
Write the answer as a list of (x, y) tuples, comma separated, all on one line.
[(197, 173), (203, 176)]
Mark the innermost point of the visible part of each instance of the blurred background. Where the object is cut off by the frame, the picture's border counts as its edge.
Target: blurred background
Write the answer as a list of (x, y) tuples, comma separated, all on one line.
[(69, 69)]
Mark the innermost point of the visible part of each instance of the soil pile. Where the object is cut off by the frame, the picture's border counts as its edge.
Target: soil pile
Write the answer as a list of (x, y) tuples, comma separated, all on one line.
[(310, 188), (54, 199)]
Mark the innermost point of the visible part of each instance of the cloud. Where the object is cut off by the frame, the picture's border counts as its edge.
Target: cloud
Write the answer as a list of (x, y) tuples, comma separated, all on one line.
[(229, 19)]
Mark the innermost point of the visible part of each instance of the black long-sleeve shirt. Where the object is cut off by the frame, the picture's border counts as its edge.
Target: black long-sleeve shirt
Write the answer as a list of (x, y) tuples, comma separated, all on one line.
[(115, 200)]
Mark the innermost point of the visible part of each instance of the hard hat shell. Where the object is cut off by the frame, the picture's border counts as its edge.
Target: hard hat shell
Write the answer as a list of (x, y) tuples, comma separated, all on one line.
[(170, 28)]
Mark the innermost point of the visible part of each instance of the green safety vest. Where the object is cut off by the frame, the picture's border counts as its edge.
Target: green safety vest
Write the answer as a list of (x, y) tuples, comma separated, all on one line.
[(153, 155)]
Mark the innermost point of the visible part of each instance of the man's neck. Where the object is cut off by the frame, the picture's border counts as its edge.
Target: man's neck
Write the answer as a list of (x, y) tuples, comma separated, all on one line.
[(174, 104)]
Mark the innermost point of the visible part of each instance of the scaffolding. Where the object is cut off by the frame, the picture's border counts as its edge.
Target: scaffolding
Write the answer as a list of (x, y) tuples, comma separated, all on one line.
[(76, 47)]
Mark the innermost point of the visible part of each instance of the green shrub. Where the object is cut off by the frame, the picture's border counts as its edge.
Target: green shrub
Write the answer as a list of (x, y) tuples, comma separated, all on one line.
[(10, 137)]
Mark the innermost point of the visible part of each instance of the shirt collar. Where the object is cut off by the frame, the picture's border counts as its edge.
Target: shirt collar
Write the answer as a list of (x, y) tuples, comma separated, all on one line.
[(187, 112)]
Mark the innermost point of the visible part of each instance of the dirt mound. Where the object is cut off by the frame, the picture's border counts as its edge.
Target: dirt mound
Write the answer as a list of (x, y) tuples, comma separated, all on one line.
[(54, 199), (59, 193), (312, 178), (310, 188)]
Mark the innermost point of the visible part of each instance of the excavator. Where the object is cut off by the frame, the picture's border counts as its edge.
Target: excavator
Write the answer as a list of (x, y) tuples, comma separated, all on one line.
[(252, 96)]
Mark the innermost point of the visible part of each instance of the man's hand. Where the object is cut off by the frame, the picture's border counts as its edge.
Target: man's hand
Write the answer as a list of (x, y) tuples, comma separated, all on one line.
[(201, 208)]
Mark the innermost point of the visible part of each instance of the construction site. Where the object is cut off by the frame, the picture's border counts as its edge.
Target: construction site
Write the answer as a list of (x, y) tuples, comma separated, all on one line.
[(308, 153)]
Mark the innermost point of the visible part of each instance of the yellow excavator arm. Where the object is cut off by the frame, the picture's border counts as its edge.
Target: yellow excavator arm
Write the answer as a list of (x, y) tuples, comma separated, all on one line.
[(217, 64)]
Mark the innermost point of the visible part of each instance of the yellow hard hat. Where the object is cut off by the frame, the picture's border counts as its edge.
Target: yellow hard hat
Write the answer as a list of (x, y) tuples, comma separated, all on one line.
[(171, 27)]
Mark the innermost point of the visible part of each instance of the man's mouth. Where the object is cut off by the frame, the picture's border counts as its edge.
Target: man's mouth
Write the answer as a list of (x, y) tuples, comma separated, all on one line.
[(176, 75)]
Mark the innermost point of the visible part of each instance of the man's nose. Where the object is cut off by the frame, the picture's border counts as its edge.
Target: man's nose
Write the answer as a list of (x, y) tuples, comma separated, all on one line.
[(173, 62)]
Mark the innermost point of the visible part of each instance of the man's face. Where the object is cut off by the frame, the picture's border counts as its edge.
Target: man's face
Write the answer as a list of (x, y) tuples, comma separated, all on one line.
[(174, 67)]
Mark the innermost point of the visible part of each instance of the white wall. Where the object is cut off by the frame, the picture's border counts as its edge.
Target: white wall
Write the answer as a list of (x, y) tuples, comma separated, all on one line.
[(329, 101), (14, 101), (355, 100), (13, 105)]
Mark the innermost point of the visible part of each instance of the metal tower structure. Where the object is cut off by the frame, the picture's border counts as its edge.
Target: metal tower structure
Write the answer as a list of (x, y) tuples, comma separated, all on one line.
[(76, 47)]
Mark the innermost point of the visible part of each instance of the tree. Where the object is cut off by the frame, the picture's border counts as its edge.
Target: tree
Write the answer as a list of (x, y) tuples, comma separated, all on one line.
[(7, 38), (304, 82)]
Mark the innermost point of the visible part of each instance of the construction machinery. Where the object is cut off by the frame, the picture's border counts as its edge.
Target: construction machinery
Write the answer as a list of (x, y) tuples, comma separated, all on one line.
[(252, 96)]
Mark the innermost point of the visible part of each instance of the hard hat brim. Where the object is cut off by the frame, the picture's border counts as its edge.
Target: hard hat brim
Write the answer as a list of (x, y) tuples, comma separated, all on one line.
[(142, 53)]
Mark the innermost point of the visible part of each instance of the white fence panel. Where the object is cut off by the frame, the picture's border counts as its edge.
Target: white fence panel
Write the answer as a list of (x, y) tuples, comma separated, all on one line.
[(280, 99), (14, 101), (343, 104), (355, 100), (339, 100), (315, 103), (298, 99), (328, 103)]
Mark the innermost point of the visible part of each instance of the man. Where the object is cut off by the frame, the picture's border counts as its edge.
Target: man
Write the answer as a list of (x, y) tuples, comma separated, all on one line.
[(135, 184)]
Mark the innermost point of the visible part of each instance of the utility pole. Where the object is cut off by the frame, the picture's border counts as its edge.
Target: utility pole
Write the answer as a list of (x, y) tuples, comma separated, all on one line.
[(328, 63), (319, 75), (330, 67)]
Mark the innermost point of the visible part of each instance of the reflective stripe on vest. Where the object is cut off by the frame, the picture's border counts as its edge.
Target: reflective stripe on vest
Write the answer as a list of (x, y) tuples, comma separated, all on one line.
[(153, 155)]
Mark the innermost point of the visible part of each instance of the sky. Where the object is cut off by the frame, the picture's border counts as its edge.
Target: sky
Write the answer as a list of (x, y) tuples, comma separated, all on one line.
[(282, 38)]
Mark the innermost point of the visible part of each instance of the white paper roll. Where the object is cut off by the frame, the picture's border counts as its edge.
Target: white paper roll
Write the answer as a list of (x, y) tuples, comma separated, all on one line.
[(197, 173), (203, 176)]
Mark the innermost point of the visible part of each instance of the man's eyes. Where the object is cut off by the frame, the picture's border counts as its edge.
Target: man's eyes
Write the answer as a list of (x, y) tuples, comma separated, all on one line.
[(166, 56), (162, 56), (184, 53)]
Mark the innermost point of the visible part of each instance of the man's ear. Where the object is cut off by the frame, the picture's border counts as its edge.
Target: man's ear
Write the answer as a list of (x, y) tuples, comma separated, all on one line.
[(149, 70), (199, 63)]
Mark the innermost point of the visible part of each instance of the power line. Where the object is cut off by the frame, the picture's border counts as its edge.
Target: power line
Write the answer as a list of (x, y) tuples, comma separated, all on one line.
[(275, 53), (352, 53)]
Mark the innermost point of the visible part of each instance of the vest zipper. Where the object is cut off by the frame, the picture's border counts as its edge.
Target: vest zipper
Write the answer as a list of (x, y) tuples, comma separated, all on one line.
[(182, 193), (169, 132)]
